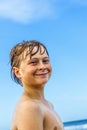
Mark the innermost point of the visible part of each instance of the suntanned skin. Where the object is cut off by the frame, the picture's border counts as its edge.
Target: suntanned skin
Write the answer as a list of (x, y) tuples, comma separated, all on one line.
[(33, 111), (35, 114)]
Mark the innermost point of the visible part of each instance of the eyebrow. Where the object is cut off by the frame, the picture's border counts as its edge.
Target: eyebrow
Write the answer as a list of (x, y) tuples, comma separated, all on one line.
[(41, 58), (38, 59)]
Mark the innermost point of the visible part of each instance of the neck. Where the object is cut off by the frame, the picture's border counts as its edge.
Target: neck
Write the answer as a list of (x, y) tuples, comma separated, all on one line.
[(34, 92)]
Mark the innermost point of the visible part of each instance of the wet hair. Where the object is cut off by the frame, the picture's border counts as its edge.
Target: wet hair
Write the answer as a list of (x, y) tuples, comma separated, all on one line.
[(17, 54)]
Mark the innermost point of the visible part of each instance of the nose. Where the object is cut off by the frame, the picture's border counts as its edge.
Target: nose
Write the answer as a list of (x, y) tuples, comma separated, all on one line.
[(41, 65)]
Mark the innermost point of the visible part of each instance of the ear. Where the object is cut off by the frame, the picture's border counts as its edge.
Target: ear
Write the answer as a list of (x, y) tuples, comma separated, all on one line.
[(17, 72)]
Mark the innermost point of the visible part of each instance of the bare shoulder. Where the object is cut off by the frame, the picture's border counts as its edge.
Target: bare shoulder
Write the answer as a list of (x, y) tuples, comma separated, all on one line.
[(28, 108), (50, 104), (29, 116), (28, 104)]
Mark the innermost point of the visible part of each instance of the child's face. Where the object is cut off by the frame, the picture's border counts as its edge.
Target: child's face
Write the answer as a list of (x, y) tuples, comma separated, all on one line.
[(35, 71)]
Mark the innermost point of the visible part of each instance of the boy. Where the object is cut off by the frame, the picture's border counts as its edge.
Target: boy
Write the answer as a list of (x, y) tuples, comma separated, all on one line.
[(31, 68)]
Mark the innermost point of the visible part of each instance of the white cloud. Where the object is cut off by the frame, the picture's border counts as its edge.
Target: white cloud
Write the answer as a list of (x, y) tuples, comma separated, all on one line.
[(26, 10), (29, 10)]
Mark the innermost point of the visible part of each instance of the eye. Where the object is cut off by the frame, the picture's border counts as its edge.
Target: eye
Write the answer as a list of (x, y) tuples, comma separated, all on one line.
[(33, 62), (46, 61)]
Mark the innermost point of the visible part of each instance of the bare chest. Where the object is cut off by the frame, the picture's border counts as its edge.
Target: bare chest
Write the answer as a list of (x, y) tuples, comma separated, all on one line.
[(52, 120)]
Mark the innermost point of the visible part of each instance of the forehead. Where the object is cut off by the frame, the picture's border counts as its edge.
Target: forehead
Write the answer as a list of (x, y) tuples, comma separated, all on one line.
[(35, 51)]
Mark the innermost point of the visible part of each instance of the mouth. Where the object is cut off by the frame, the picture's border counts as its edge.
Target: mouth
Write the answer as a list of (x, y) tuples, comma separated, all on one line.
[(42, 74)]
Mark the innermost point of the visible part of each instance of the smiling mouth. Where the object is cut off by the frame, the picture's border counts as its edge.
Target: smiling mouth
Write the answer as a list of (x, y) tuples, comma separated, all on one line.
[(41, 74)]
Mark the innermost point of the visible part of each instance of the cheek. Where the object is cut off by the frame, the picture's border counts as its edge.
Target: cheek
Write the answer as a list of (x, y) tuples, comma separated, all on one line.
[(32, 70), (50, 68)]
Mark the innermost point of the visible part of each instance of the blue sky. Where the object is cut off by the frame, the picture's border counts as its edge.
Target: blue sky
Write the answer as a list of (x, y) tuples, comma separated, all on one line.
[(62, 27)]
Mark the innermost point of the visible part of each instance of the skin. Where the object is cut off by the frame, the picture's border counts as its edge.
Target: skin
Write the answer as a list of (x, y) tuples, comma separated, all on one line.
[(33, 111)]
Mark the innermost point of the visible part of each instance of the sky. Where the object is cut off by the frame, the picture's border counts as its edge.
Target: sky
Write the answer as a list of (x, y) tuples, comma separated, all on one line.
[(62, 26)]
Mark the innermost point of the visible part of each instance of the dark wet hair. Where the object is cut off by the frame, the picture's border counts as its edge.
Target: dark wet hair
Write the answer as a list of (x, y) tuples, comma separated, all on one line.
[(17, 54)]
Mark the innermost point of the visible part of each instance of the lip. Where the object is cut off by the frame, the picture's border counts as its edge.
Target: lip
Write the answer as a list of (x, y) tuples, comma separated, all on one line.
[(41, 74)]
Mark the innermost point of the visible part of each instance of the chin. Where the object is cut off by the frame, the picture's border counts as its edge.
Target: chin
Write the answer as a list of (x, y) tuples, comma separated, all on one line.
[(43, 83)]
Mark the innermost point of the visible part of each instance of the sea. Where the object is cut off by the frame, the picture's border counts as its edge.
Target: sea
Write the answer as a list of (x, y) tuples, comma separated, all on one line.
[(76, 125)]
